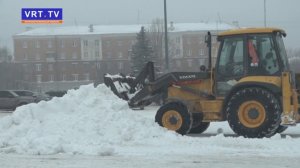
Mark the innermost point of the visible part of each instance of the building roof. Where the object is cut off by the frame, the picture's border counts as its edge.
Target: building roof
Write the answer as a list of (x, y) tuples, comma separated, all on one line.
[(250, 31), (120, 29)]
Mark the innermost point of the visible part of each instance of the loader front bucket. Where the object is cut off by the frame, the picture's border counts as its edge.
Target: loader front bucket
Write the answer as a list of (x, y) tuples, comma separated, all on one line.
[(119, 84), (133, 89)]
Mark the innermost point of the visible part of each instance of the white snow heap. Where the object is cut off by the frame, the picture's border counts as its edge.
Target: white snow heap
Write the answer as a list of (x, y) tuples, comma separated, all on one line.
[(93, 121), (85, 121)]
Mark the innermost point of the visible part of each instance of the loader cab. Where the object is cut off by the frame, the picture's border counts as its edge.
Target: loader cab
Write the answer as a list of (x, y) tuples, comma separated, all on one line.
[(249, 52)]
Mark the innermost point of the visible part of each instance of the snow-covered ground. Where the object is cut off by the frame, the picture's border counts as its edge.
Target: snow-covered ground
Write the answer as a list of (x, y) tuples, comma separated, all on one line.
[(91, 127)]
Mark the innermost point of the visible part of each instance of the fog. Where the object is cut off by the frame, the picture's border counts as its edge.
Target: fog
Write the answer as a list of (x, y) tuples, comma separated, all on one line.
[(283, 14)]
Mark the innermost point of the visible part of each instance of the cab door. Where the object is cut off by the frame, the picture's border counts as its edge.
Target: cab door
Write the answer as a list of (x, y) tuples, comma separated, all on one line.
[(230, 66)]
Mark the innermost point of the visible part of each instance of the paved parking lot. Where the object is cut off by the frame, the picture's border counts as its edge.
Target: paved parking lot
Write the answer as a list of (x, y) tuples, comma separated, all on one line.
[(5, 113)]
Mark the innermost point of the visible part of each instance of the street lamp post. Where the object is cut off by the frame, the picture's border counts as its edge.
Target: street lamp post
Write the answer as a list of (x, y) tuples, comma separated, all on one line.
[(166, 36), (265, 14)]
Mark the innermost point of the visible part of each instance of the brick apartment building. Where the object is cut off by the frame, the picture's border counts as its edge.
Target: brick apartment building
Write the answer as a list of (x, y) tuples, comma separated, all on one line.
[(66, 57)]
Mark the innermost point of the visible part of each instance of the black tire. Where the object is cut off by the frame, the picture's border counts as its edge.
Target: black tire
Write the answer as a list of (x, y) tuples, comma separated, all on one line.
[(199, 128), (281, 129), (254, 113), (174, 116)]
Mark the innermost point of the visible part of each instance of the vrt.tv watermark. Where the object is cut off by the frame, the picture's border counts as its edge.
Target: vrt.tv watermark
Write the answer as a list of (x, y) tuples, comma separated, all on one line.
[(42, 15)]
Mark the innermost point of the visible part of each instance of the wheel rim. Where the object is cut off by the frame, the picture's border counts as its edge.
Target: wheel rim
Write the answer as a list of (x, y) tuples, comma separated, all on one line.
[(252, 114), (172, 120)]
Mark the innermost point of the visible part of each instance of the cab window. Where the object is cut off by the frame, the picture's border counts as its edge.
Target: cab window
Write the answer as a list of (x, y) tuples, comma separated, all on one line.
[(282, 51), (231, 58), (262, 55)]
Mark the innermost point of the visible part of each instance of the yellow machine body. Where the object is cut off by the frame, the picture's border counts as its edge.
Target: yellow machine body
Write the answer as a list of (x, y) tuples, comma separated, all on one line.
[(213, 110)]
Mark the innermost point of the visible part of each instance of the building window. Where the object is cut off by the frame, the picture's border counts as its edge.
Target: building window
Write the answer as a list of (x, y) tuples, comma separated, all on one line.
[(25, 68), (37, 56), (24, 45), (201, 40), (189, 53), (74, 44), (74, 55), (120, 54), (178, 63), (201, 62), (38, 78), (64, 77), (86, 54), (108, 54), (37, 44), (62, 43), (86, 76), (97, 54), (62, 55), (51, 78), (119, 43), (177, 51), (49, 44), (38, 67), (188, 41), (177, 39), (50, 67), (121, 65), (25, 56), (75, 77), (107, 65), (201, 52), (97, 42), (26, 77), (108, 43), (85, 43), (98, 65), (190, 62)]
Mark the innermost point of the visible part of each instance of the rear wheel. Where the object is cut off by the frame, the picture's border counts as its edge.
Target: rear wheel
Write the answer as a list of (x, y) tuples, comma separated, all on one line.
[(254, 113), (174, 116)]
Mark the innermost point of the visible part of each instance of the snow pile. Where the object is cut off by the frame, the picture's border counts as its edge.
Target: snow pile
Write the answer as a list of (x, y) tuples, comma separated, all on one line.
[(85, 121), (94, 121)]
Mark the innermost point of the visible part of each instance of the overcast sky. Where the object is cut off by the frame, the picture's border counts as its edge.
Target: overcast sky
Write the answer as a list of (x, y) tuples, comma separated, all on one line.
[(280, 13)]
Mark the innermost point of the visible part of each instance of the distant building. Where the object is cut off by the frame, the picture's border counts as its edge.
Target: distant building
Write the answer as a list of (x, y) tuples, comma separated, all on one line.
[(62, 58)]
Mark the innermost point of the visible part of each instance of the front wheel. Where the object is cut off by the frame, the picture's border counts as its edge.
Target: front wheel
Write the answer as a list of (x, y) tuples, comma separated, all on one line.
[(254, 113), (174, 116)]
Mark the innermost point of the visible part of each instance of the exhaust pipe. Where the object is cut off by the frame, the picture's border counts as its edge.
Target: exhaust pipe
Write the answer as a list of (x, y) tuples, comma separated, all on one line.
[(208, 44)]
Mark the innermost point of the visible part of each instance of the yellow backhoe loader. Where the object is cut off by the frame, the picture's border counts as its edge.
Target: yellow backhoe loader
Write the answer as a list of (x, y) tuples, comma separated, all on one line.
[(250, 86)]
